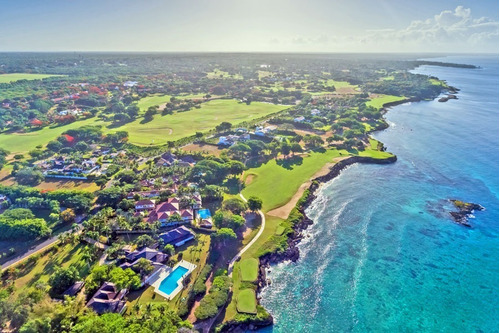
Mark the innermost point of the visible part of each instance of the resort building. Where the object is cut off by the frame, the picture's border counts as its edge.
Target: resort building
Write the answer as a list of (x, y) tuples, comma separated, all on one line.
[(147, 253), (108, 299), (145, 204), (74, 289), (177, 237), (168, 213), (154, 257)]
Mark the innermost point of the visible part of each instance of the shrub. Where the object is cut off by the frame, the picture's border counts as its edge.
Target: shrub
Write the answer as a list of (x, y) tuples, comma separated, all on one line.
[(216, 298), (235, 205), (199, 286), (20, 223), (63, 278)]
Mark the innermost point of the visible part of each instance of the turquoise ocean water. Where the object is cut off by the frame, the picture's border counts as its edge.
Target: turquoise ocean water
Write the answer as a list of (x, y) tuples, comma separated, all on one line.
[(383, 254)]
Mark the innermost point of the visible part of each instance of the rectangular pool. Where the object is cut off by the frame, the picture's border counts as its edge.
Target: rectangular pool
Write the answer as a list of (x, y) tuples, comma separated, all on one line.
[(204, 213), (170, 282)]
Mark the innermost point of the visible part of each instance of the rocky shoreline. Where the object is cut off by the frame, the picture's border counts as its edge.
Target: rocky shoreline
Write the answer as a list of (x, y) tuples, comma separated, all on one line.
[(447, 98), (292, 252)]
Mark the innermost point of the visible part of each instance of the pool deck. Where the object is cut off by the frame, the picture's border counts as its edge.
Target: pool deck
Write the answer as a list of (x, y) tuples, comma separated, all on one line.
[(156, 280)]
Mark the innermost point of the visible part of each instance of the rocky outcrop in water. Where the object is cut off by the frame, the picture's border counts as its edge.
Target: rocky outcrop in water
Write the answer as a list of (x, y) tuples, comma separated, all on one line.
[(447, 98), (465, 209)]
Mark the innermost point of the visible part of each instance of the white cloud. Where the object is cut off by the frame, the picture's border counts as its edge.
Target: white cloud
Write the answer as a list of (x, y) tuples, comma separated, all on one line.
[(449, 31)]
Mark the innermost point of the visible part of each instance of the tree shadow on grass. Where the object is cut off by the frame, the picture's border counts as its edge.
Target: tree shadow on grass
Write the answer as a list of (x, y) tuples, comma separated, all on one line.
[(145, 121), (353, 151), (320, 150), (35, 278), (289, 162), (233, 185)]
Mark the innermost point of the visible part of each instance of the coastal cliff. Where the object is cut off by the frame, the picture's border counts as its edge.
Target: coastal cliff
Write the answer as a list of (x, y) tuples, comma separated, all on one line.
[(292, 252)]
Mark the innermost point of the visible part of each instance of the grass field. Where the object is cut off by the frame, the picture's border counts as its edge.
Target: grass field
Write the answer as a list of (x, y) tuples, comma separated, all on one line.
[(218, 74), (159, 99), (13, 77), (437, 82), (272, 223), (41, 269), (23, 142), (246, 301), (50, 184), (173, 127), (378, 102), (145, 102), (338, 84), (275, 184), (203, 148), (158, 131), (263, 74), (249, 269)]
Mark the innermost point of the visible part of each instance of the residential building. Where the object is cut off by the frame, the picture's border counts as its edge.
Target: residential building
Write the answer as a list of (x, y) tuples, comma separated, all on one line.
[(145, 204), (108, 299), (74, 289), (178, 236), (165, 211)]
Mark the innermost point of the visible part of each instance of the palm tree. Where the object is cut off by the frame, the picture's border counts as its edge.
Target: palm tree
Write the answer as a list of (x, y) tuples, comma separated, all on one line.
[(137, 308), (87, 256)]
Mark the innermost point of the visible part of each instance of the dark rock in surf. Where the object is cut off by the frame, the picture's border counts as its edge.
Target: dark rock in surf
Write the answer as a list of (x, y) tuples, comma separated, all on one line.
[(465, 209)]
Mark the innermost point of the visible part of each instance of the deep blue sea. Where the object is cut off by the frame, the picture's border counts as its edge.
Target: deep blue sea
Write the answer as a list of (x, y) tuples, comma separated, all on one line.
[(383, 254)]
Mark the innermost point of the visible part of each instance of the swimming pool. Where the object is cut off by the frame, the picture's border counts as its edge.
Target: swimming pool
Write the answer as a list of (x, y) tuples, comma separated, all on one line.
[(170, 283), (204, 213)]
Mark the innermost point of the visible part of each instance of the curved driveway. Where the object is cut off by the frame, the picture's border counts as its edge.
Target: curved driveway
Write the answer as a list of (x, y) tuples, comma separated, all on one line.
[(238, 255)]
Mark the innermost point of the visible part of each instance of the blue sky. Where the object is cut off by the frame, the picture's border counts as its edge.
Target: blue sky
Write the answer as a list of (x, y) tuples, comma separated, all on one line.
[(250, 25)]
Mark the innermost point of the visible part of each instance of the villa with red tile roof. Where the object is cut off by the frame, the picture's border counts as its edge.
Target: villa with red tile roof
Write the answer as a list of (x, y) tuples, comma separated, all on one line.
[(164, 212)]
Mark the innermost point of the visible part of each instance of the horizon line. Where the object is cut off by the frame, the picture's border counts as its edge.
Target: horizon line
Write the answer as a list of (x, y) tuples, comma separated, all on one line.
[(263, 52)]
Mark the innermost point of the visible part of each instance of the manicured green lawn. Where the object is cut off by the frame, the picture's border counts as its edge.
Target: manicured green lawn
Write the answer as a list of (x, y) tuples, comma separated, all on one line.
[(13, 77), (40, 271), (339, 84), (158, 131), (246, 302), (263, 74), (159, 99), (173, 127), (249, 269), (145, 102), (218, 74), (279, 230), (437, 82), (384, 99), (275, 184), (23, 142), (373, 144)]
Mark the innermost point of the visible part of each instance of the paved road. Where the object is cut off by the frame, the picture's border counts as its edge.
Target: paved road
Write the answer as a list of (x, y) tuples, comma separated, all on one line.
[(35, 249), (40, 247), (243, 250)]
